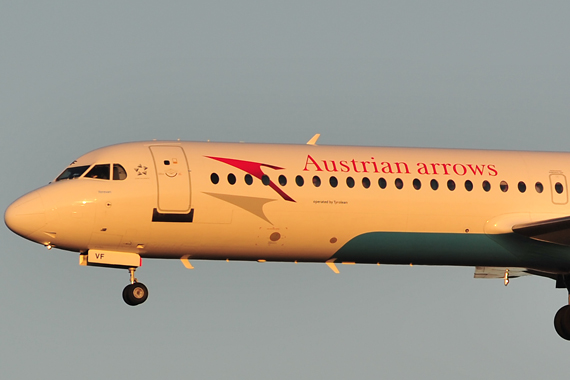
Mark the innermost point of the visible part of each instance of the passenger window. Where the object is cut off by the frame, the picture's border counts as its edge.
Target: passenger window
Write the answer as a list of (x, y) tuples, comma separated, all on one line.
[(399, 183), (559, 188), (366, 182), (451, 185), (100, 172), (468, 185), (214, 178), (538, 187), (282, 180), (316, 181), (504, 186), (382, 183), (119, 172), (434, 185), (231, 179), (265, 180), (417, 184), (350, 182), (486, 186), (248, 179), (522, 187), (72, 173), (299, 181), (333, 181)]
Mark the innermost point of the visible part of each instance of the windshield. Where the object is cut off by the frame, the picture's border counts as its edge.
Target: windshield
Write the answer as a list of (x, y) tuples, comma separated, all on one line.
[(72, 173), (100, 172)]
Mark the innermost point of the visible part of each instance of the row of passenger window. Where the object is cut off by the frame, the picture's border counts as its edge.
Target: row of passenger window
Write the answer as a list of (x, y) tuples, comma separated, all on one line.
[(382, 183)]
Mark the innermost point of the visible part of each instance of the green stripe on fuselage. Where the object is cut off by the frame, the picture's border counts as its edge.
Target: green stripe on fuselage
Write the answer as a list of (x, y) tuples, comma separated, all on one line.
[(506, 250)]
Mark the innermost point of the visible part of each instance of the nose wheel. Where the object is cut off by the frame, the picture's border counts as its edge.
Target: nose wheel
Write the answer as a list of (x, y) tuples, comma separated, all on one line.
[(135, 293)]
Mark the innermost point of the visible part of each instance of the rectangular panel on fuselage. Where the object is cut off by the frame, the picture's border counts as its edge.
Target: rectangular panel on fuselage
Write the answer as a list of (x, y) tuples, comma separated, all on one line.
[(173, 178), (557, 186)]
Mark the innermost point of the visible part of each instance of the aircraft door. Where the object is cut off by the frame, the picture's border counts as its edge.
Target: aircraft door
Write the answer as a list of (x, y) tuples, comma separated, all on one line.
[(558, 188), (172, 178)]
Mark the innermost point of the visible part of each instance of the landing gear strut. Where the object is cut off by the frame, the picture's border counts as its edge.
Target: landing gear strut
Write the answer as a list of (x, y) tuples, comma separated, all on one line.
[(135, 293), (562, 317)]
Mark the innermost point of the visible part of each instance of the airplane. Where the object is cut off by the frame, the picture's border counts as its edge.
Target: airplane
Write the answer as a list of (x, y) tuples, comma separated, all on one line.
[(505, 213)]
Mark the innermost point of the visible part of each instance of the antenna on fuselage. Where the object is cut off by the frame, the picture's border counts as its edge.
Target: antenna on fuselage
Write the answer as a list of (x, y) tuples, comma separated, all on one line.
[(313, 140)]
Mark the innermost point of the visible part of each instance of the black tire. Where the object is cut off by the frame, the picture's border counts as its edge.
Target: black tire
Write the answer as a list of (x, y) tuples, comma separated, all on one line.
[(562, 322), (126, 296), (135, 294)]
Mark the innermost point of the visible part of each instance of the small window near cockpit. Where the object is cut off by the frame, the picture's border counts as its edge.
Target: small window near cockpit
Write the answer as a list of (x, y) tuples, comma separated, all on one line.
[(333, 181), (119, 172), (316, 181), (100, 172), (72, 173)]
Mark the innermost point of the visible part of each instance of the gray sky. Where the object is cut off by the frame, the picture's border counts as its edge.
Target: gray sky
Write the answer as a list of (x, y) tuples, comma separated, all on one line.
[(79, 75)]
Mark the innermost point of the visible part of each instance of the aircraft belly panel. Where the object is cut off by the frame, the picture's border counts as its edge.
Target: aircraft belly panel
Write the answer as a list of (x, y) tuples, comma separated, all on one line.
[(445, 249)]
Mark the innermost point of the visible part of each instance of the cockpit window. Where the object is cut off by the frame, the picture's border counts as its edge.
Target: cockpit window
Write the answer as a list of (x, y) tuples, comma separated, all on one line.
[(100, 172), (119, 172), (72, 172)]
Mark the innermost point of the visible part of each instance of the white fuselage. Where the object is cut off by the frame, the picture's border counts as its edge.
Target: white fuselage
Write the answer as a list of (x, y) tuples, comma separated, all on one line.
[(213, 201)]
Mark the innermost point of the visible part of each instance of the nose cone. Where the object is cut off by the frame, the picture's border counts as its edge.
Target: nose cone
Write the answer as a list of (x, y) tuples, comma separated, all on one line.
[(26, 215)]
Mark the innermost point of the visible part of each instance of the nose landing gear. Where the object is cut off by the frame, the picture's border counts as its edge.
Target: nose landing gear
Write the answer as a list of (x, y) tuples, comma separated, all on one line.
[(135, 293)]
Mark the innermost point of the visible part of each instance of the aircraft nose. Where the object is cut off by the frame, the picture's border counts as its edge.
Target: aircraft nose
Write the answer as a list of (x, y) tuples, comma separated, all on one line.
[(26, 215)]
